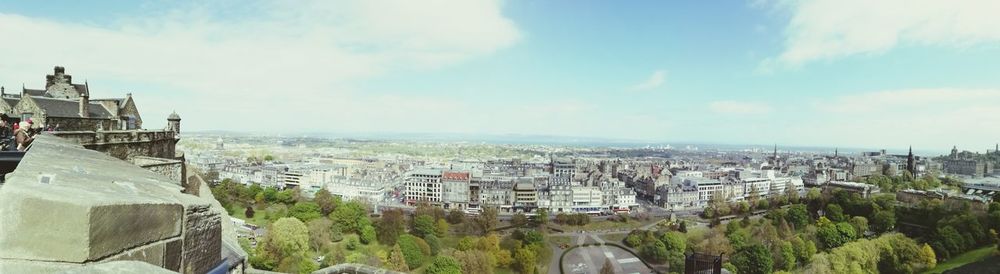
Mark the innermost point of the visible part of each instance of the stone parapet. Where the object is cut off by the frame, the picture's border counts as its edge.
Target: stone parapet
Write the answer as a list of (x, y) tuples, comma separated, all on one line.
[(125, 144), (67, 206)]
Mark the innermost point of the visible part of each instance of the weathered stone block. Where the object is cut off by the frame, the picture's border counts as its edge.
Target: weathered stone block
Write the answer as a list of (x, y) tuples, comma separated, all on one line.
[(202, 239)]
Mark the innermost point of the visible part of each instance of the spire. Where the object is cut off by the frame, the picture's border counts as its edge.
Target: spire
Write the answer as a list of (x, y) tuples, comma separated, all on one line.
[(911, 150)]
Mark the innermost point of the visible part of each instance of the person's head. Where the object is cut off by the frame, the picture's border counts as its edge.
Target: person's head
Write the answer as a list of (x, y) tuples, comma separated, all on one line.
[(25, 124)]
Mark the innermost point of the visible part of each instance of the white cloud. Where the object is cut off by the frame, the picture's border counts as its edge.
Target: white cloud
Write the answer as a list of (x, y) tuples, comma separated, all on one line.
[(275, 64), (926, 118), (830, 29), (654, 81), (739, 108)]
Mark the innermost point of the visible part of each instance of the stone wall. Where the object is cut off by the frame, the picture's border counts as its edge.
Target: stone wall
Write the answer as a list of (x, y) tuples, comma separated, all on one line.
[(74, 124), (65, 207), (173, 169), (125, 144)]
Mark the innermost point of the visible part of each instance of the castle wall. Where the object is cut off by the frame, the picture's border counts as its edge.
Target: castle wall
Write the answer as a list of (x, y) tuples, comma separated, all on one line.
[(126, 144)]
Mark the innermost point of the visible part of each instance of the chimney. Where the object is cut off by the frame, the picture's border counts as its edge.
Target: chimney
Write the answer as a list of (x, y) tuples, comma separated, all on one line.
[(84, 106)]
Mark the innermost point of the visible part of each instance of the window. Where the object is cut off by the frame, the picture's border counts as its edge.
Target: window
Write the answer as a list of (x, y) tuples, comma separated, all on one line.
[(25, 116)]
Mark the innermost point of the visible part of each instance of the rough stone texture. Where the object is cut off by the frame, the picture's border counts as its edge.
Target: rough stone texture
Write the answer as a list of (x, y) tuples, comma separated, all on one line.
[(118, 267), (66, 206), (231, 250), (354, 269), (202, 239), (65, 203), (173, 169), (127, 143)]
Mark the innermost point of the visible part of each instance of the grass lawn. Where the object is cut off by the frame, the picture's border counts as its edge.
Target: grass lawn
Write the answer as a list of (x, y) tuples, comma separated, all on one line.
[(614, 238), (972, 256), (561, 240), (258, 216), (602, 225)]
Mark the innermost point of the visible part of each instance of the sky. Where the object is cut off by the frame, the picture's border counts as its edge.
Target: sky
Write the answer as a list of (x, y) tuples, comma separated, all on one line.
[(848, 73)]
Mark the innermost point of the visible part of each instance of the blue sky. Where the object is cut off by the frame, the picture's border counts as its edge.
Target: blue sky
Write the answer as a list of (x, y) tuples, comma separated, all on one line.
[(824, 72)]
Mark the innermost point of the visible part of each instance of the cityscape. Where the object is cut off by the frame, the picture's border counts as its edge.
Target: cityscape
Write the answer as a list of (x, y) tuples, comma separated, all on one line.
[(500, 136)]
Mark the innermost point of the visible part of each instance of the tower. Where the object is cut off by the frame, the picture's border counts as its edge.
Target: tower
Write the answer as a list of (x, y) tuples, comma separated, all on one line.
[(954, 152), (911, 163), (174, 123)]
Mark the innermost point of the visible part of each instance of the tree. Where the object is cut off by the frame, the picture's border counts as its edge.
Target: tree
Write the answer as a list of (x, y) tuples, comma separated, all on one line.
[(743, 207), (787, 256), (352, 244), (860, 224), (336, 234), (396, 260), (753, 259), (423, 225), (412, 250), (456, 216), (474, 261), (367, 234), (676, 244), (883, 221), (249, 212), (348, 216), (487, 220), (434, 243), (543, 216), (798, 216), (682, 227), (390, 226), (326, 201), (444, 265), (441, 228), (287, 238), (930, 259), (525, 260), (607, 268), (305, 211), (655, 251), (519, 219), (466, 243), (319, 233), (834, 212)]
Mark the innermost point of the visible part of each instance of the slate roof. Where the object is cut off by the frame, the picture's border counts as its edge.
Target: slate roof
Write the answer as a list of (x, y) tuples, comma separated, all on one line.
[(69, 108), (11, 101), (34, 92), (81, 89)]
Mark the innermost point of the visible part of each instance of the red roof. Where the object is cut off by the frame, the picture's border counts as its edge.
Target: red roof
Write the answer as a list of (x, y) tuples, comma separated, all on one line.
[(460, 176)]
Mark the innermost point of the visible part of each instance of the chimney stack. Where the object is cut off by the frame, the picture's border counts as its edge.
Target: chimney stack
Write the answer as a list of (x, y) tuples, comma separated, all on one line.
[(84, 106)]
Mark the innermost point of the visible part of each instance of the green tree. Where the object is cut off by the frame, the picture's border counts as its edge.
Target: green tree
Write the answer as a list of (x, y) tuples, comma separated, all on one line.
[(319, 233), (456, 216), (390, 226), (444, 265), (487, 220), (474, 261), (676, 244), (441, 228), (787, 256), (396, 260), (413, 251), (287, 238), (655, 251), (798, 216), (367, 234), (860, 225), (753, 259), (305, 211), (249, 212), (519, 219), (434, 243), (423, 225), (326, 201), (525, 260), (348, 216), (835, 213), (466, 243), (543, 217), (884, 221)]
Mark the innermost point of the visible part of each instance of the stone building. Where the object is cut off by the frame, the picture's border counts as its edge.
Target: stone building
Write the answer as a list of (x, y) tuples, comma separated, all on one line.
[(69, 106)]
